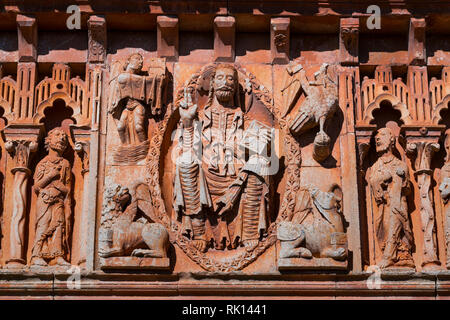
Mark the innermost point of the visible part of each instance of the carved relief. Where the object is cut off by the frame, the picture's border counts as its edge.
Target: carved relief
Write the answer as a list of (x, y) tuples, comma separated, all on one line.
[(390, 185), (314, 237), (421, 149), (129, 238), (444, 189), (54, 204), (133, 95), (235, 189), (223, 186), (318, 107), (20, 142), (348, 41)]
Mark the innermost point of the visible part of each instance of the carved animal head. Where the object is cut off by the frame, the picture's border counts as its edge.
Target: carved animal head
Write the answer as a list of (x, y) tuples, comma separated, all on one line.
[(115, 201)]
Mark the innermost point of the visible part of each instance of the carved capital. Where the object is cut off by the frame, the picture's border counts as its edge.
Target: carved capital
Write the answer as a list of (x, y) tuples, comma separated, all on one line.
[(348, 41), (20, 142), (363, 137), (81, 138), (422, 152), (421, 145), (97, 39)]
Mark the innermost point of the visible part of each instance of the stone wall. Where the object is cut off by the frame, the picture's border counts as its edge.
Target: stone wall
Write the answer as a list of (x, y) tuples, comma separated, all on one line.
[(220, 148)]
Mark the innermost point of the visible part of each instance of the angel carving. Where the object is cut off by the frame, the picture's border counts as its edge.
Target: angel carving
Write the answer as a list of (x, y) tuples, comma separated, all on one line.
[(133, 95)]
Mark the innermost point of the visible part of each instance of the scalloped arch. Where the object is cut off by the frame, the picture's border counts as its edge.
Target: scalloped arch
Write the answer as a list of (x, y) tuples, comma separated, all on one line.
[(395, 103), (79, 118), (438, 109), (7, 108)]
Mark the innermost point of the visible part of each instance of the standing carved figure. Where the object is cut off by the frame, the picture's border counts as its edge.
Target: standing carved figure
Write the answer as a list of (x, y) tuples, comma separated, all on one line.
[(444, 188), (390, 185), (53, 207), (131, 93), (221, 198), (320, 104)]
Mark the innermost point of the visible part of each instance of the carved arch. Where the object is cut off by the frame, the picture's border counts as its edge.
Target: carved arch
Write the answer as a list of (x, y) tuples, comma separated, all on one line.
[(443, 105), (395, 103), (8, 97), (49, 103)]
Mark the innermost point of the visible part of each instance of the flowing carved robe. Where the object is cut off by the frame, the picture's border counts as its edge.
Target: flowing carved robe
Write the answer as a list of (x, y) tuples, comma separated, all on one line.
[(389, 181), (137, 91), (53, 209), (222, 176)]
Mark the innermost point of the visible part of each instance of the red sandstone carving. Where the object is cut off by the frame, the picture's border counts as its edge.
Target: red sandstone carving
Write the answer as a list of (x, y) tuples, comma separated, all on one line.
[(130, 94), (128, 231), (222, 182), (53, 221), (315, 232), (319, 106), (390, 185), (21, 143)]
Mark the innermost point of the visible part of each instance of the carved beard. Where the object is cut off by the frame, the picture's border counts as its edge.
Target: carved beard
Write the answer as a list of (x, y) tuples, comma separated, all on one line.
[(224, 95), (58, 146)]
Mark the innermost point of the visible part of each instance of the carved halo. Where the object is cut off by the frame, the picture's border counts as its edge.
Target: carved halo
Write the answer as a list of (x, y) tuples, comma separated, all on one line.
[(200, 82)]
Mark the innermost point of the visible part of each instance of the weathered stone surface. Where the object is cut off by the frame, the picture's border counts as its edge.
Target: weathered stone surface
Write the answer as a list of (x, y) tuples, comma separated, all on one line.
[(222, 147)]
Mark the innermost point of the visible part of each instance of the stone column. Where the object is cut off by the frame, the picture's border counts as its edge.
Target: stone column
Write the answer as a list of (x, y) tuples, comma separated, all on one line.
[(422, 144), (81, 137), (21, 141), (89, 147)]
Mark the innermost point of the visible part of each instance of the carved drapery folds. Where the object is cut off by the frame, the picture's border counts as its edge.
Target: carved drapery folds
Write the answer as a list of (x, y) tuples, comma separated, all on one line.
[(193, 177), (134, 96), (444, 189), (53, 186), (220, 198), (421, 107), (389, 183)]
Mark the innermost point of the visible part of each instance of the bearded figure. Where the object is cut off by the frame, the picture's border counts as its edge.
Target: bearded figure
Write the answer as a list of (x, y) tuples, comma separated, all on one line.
[(53, 207), (220, 197), (390, 185)]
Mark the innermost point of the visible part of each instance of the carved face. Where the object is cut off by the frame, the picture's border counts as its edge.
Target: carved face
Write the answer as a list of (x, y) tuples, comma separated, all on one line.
[(224, 84), (384, 139), (57, 140), (135, 63)]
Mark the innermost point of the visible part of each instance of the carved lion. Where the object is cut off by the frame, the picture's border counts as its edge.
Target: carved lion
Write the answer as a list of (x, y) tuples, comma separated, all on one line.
[(316, 229), (127, 228)]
